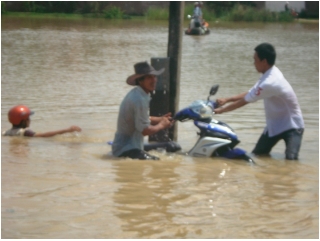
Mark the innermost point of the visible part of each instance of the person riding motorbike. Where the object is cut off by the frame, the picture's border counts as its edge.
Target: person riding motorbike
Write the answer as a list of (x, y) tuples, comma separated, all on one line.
[(196, 20)]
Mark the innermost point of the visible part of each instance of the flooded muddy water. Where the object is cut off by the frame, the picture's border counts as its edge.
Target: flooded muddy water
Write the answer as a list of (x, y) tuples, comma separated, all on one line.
[(73, 72)]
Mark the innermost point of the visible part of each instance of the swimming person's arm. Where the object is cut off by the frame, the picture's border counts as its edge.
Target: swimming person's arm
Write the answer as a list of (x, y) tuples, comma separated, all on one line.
[(58, 132)]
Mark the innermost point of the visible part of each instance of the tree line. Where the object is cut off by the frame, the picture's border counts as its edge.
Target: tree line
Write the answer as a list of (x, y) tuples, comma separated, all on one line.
[(213, 10), (84, 7)]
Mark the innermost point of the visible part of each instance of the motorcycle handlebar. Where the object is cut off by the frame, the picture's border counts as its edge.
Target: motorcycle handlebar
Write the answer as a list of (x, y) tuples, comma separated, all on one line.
[(213, 104), (187, 113)]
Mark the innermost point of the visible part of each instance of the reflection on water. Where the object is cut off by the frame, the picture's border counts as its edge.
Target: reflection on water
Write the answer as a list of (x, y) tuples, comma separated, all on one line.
[(72, 72)]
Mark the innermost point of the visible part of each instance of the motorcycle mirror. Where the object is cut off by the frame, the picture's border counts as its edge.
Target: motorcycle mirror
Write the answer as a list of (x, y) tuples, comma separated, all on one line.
[(214, 90)]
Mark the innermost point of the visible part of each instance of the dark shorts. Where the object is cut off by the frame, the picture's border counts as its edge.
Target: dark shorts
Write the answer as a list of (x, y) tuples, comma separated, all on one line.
[(291, 137), (138, 154)]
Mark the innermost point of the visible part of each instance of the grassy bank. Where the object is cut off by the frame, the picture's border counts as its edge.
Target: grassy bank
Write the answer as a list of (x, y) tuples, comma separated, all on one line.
[(250, 14), (237, 13), (44, 15)]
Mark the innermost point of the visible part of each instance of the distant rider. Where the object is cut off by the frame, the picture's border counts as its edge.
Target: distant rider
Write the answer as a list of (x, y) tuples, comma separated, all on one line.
[(196, 21)]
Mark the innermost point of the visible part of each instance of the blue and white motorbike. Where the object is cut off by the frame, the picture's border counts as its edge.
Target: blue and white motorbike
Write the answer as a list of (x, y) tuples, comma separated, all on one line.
[(216, 138)]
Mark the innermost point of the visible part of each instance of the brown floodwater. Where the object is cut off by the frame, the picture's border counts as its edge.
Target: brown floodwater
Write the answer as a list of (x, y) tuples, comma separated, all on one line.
[(73, 72)]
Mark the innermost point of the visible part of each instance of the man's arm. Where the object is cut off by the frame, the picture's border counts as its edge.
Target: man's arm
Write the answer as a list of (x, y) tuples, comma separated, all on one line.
[(235, 105), (164, 123), (223, 101), (156, 119), (58, 132)]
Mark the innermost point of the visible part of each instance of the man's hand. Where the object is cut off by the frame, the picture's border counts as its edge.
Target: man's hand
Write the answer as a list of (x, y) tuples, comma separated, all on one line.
[(218, 111), (158, 123), (234, 105), (168, 116), (165, 122), (221, 101), (74, 128), (157, 119)]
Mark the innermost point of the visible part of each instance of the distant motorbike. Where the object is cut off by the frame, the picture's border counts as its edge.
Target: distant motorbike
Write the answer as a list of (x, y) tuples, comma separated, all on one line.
[(197, 28)]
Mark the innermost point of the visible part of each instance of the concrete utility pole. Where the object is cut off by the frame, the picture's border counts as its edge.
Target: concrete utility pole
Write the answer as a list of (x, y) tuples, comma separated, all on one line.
[(166, 96), (176, 13)]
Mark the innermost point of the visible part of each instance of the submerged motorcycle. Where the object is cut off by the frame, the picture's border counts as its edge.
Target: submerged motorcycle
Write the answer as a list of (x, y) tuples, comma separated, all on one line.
[(216, 138)]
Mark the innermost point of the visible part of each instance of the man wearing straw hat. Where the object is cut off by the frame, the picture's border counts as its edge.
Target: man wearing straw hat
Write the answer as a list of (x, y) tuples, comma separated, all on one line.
[(133, 120)]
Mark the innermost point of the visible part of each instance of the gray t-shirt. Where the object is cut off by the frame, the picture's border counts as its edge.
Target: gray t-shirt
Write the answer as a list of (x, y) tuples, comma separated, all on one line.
[(133, 118)]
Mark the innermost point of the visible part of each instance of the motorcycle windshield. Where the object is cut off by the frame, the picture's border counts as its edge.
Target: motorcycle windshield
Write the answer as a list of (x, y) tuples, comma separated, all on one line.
[(201, 109)]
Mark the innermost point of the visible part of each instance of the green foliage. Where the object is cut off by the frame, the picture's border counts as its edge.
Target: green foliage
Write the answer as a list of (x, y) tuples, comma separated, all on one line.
[(250, 14), (91, 7), (212, 10), (113, 13), (28, 6), (188, 10), (208, 15), (154, 13), (60, 6), (49, 6), (285, 17), (221, 8), (237, 11), (3, 7)]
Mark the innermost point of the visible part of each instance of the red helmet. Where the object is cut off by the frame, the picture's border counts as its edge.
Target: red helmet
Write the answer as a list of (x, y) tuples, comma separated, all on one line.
[(18, 113)]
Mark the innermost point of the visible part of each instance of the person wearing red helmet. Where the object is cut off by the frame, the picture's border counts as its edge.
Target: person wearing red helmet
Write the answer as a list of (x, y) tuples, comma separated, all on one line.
[(19, 117)]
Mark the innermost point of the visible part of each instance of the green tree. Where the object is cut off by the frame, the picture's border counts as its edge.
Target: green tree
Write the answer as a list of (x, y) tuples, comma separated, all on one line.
[(3, 7)]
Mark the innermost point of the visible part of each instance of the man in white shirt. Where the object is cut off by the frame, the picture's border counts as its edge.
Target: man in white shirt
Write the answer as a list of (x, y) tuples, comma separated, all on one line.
[(283, 114)]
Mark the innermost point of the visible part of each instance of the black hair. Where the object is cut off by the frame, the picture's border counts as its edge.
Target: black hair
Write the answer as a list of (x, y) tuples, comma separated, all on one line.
[(266, 51)]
